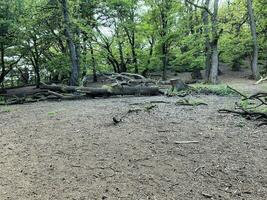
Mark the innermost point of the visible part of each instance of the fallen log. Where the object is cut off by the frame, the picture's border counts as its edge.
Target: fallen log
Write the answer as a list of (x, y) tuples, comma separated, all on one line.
[(62, 92), (104, 92), (59, 88)]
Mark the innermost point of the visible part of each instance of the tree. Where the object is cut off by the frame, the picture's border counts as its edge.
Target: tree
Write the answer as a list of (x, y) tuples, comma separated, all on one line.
[(254, 62), (213, 76), (211, 47), (75, 68), (9, 37)]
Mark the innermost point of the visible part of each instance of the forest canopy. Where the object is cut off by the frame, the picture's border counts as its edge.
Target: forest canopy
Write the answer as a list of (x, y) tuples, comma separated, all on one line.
[(61, 41)]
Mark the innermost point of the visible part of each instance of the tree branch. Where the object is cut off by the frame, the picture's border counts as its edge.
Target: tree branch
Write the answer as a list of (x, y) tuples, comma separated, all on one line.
[(201, 7)]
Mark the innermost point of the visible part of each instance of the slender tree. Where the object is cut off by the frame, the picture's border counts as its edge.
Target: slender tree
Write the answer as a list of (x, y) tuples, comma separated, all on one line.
[(75, 68), (254, 62)]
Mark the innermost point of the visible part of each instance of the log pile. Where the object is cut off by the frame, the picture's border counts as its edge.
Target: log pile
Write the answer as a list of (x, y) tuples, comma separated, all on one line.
[(253, 107)]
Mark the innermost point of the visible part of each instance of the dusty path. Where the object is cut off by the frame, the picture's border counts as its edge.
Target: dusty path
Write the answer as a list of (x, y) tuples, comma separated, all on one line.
[(71, 150)]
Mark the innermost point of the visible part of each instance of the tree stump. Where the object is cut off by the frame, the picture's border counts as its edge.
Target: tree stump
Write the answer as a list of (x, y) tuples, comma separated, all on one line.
[(196, 75), (178, 84)]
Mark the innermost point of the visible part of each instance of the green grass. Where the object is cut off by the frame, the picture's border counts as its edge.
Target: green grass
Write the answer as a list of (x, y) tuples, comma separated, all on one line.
[(190, 102), (220, 89), (52, 113), (6, 109)]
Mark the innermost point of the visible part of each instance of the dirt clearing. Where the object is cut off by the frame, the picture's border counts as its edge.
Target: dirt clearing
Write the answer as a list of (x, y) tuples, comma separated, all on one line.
[(72, 150)]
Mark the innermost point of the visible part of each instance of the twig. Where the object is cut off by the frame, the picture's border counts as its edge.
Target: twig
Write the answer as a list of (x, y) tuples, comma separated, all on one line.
[(237, 92), (261, 80), (186, 142)]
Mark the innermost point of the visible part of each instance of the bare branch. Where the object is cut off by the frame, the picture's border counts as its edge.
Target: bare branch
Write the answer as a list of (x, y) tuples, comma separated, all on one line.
[(201, 7)]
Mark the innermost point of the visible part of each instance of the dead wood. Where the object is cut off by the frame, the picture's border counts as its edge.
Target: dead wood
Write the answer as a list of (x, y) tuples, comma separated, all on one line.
[(236, 91), (261, 80), (186, 102), (250, 112), (178, 84), (101, 92), (186, 142)]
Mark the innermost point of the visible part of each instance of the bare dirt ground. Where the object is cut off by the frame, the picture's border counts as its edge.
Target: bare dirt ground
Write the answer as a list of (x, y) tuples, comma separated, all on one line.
[(72, 150)]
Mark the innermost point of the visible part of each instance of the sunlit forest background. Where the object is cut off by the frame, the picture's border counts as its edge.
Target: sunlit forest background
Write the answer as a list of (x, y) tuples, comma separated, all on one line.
[(63, 41)]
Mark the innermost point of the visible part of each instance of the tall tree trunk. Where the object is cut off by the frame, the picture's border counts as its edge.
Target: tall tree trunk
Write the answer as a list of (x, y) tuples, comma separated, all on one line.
[(134, 56), (151, 42), (205, 18), (131, 38), (213, 76), (164, 61), (74, 79), (254, 62), (122, 64), (37, 74), (3, 67), (164, 45), (93, 61), (214, 64)]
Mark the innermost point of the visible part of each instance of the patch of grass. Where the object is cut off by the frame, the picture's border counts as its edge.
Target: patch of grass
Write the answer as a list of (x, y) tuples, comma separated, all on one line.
[(6, 109), (2, 100), (187, 102), (220, 90), (52, 113), (245, 104)]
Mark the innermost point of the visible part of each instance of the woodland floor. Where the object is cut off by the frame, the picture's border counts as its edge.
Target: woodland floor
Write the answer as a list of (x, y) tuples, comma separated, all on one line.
[(72, 150)]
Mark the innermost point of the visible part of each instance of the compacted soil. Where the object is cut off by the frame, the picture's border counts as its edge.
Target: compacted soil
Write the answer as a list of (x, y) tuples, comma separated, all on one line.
[(73, 150)]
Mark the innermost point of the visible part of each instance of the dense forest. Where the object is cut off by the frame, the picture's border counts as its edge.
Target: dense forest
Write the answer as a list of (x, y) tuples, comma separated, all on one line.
[(63, 41)]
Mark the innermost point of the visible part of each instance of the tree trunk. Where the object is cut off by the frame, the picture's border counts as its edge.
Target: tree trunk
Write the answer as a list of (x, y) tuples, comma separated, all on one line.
[(213, 76), (74, 79), (164, 45), (134, 58), (131, 38), (151, 42), (37, 74), (3, 67), (93, 61), (122, 62), (254, 62), (205, 18), (164, 62)]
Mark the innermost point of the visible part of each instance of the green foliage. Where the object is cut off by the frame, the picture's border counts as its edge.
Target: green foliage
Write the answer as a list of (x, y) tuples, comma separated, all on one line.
[(122, 35)]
